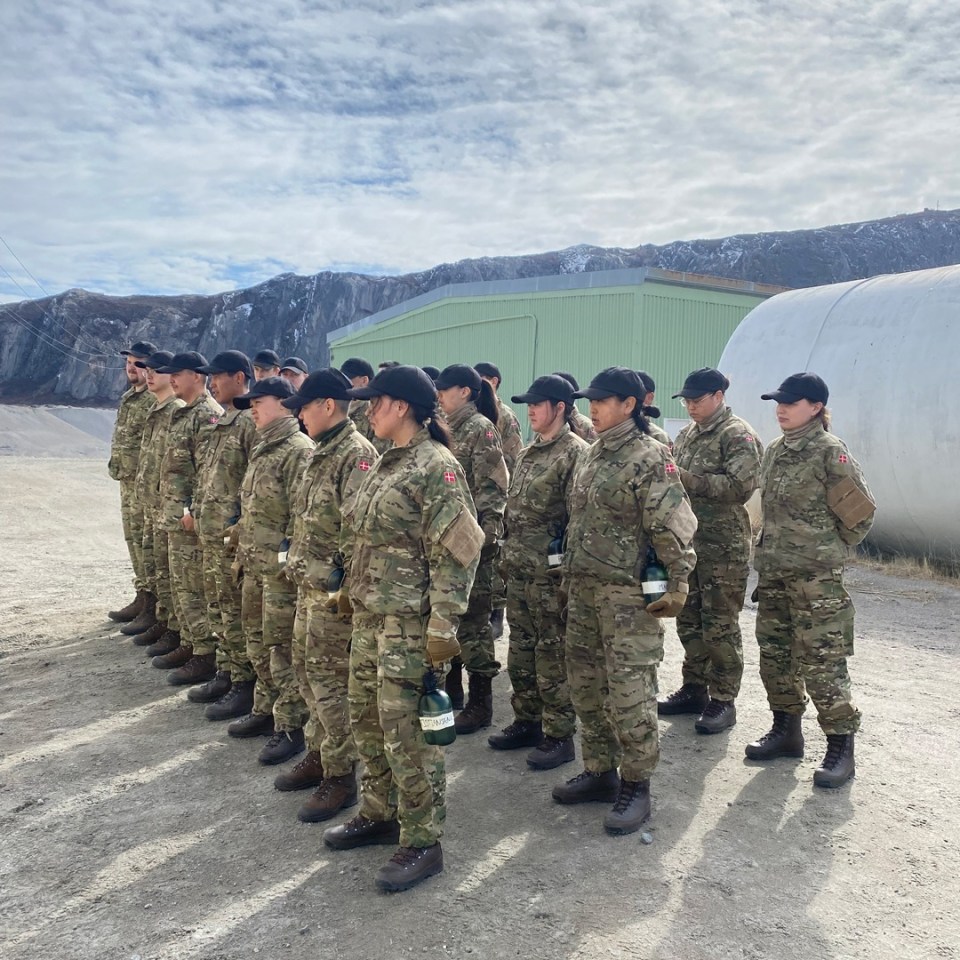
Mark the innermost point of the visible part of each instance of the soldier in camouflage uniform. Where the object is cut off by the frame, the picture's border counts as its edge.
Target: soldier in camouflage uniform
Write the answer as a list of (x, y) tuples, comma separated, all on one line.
[(134, 406), (719, 459), (321, 635), (579, 424), (269, 599), (412, 546), (511, 440), (815, 506), (469, 405), (216, 508), (193, 660), (650, 411), (360, 372), (164, 635), (625, 497), (536, 518)]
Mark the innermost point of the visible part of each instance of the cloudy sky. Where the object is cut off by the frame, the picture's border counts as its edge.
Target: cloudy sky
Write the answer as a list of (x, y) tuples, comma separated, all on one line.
[(198, 145)]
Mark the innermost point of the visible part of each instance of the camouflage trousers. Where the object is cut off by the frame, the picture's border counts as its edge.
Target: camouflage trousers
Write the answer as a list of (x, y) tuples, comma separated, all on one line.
[(498, 599), (613, 648), (156, 562), (224, 601), (403, 777), (805, 634), (189, 598), (535, 660), (709, 628), (321, 658), (474, 633), (268, 609), (131, 514)]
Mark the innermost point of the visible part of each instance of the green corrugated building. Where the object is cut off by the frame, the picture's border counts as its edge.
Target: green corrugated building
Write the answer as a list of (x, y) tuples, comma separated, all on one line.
[(663, 322)]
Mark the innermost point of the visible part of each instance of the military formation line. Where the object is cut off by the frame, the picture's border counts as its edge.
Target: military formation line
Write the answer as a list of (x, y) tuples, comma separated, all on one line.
[(312, 552)]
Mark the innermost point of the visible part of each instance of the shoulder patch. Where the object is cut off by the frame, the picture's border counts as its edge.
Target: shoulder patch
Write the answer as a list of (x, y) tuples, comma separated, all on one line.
[(363, 463), (489, 434), (449, 476), (670, 467), (748, 438), (214, 419), (843, 458)]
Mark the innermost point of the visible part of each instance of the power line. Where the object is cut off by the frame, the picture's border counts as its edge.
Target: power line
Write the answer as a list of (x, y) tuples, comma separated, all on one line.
[(58, 345)]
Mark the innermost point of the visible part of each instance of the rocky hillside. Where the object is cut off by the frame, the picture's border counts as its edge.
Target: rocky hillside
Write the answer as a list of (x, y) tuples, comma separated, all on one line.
[(63, 349)]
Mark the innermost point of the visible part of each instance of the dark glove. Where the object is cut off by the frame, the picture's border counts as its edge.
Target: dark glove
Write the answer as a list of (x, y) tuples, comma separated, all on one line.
[(755, 596), (442, 643), (669, 605)]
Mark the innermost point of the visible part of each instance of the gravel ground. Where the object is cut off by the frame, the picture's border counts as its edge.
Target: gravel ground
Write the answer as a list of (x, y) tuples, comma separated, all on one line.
[(134, 828)]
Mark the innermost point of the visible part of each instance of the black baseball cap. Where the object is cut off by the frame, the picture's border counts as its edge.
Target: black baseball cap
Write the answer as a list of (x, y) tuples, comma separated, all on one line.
[(549, 387), (403, 382), (647, 381), (614, 382), (294, 363), (141, 350), (487, 369), (569, 377), (266, 359), (431, 371), (155, 360), (357, 367), (191, 360), (268, 387), (799, 386), (327, 384), (701, 382), (459, 375), (229, 361)]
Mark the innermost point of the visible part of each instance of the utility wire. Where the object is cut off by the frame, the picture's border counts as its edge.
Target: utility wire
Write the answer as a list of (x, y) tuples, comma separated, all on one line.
[(58, 345)]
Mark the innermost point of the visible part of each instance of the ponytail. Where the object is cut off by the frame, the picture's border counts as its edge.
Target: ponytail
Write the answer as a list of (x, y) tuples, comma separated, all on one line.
[(825, 418), (640, 414), (486, 401), (435, 426)]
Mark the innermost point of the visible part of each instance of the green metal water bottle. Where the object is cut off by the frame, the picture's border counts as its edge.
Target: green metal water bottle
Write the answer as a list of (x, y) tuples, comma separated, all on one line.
[(655, 577), (436, 713)]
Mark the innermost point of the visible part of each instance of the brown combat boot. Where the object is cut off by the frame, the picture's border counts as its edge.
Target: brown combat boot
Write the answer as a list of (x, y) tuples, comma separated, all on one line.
[(151, 635), (783, 739), (718, 715), (520, 733), (307, 773), (198, 669), (179, 657), (589, 787), (408, 866), (166, 644), (552, 752), (453, 683), (212, 690), (282, 746), (631, 809), (236, 702), (837, 766), (478, 713), (332, 796), (690, 698), (131, 611), (145, 619), (362, 832)]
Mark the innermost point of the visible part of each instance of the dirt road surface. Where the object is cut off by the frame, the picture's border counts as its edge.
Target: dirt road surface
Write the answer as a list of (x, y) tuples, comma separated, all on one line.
[(133, 828)]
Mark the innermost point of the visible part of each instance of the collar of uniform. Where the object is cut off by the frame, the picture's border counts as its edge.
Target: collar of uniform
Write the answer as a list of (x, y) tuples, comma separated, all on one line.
[(459, 417), (139, 388), (280, 429), (229, 414), (328, 436), (798, 439), (160, 404), (540, 442), (203, 396), (617, 436), (421, 436), (718, 416)]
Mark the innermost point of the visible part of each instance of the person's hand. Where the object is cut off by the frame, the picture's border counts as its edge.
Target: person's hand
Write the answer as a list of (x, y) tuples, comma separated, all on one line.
[(442, 643), (236, 571), (188, 523), (231, 536), (669, 605), (339, 603)]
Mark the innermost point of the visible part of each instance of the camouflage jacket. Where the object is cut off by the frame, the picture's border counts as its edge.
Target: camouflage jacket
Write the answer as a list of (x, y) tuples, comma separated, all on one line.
[(216, 497), (128, 432), (536, 502), (476, 444), (189, 427), (153, 445), (268, 491), (719, 463), (333, 474), (511, 436), (626, 494), (659, 434), (360, 415), (800, 477), (582, 426), (409, 535)]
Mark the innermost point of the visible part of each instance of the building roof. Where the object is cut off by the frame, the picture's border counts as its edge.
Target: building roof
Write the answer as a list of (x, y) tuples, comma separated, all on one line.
[(631, 277)]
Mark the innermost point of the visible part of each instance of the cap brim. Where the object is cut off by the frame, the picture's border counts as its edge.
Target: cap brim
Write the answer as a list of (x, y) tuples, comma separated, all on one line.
[(243, 401), (689, 394), (295, 402), (130, 353), (142, 364), (594, 393), (363, 393), (171, 369), (531, 398), (781, 397), (209, 370)]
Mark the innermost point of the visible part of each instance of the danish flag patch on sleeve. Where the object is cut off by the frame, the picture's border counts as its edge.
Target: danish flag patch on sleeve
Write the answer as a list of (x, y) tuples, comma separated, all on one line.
[(449, 476), (363, 465), (670, 468), (843, 458)]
